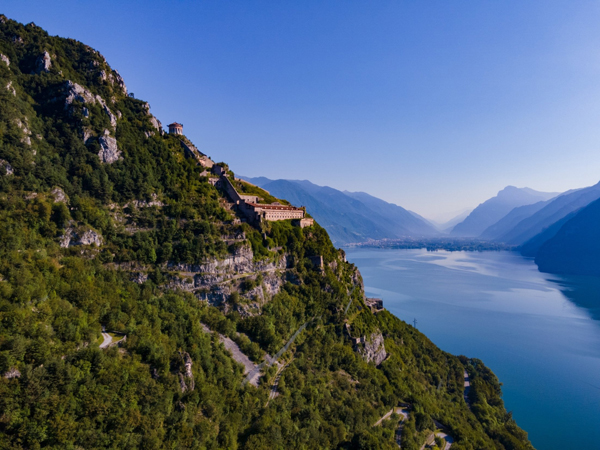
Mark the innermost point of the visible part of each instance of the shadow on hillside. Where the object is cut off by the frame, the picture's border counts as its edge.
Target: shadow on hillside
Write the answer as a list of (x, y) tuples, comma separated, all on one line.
[(583, 291)]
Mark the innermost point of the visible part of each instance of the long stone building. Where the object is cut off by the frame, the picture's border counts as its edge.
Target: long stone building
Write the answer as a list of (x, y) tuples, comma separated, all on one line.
[(256, 212)]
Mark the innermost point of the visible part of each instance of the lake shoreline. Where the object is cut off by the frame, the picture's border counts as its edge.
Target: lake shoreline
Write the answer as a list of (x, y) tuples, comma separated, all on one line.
[(533, 330)]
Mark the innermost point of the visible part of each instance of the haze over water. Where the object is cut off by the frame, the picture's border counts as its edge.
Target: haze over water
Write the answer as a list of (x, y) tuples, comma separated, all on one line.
[(539, 333)]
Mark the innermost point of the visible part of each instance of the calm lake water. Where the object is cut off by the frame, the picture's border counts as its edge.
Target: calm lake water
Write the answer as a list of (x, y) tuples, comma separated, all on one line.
[(539, 333)]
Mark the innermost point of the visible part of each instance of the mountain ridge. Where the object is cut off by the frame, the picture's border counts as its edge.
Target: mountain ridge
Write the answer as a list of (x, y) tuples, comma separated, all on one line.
[(110, 230), (492, 210)]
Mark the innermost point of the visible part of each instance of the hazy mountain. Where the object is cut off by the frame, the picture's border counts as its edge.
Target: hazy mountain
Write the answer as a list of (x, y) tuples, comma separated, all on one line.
[(575, 248), (349, 216), (494, 209), (551, 213), (533, 245), (511, 220), (449, 224)]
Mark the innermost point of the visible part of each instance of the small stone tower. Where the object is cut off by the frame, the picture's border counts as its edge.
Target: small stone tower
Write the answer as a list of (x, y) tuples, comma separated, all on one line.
[(175, 128)]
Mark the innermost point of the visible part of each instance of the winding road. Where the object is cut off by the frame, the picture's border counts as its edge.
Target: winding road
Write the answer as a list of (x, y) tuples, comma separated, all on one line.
[(107, 339), (273, 392)]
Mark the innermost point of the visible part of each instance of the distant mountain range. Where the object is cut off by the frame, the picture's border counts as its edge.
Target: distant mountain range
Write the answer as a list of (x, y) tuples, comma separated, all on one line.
[(349, 217), (494, 209), (561, 231), (575, 247)]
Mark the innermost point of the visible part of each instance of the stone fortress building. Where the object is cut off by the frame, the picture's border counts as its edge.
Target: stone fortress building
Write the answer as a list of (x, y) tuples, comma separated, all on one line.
[(249, 205)]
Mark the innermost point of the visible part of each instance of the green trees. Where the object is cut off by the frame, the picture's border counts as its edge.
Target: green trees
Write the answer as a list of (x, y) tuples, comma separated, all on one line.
[(155, 212)]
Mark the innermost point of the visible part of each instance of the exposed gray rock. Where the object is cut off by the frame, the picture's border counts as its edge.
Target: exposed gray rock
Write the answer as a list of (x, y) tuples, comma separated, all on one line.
[(144, 203), (43, 63), (8, 170), (87, 134), (26, 139), (12, 373), (72, 238), (187, 374), (148, 133), (217, 296), (59, 195), (156, 123), (109, 152), (86, 112), (90, 237), (77, 92), (119, 82), (182, 384), (103, 76), (5, 59), (373, 348), (17, 39), (10, 88), (111, 116), (140, 278)]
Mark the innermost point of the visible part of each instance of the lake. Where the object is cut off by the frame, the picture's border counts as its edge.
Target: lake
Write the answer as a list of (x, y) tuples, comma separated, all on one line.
[(539, 333)]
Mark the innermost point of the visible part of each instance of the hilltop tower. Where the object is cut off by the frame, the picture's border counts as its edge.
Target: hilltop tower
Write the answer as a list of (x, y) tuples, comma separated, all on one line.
[(175, 128)]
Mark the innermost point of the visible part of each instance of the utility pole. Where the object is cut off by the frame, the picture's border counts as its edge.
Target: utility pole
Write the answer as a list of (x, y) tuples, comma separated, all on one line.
[(415, 322)]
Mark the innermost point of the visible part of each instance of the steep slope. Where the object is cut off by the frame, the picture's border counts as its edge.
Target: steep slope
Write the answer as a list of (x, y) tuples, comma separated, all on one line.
[(533, 245), (554, 211), (349, 217), (448, 225), (494, 209), (511, 220), (106, 228), (575, 248), (411, 221)]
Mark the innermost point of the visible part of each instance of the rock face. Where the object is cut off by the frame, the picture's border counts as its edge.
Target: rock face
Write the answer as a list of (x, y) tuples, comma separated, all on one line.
[(10, 88), (26, 139), (156, 123), (72, 238), (373, 349), (186, 378), (5, 59), (109, 152), (12, 373), (8, 170), (214, 282), (59, 195), (76, 92), (119, 82), (43, 63)]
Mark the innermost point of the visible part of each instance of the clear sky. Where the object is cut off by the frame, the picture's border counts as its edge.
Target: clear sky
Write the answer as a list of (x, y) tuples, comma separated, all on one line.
[(434, 105)]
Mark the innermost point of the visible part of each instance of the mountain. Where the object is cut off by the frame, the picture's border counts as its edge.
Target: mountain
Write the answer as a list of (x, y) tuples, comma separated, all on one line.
[(349, 216), (494, 209), (551, 213), (511, 220), (447, 225), (575, 248), (140, 303)]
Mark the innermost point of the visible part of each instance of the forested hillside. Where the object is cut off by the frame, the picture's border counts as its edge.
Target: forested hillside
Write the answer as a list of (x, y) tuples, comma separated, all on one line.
[(105, 224)]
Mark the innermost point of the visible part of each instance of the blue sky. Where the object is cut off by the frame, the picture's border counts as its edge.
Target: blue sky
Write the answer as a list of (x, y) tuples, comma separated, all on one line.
[(433, 105)]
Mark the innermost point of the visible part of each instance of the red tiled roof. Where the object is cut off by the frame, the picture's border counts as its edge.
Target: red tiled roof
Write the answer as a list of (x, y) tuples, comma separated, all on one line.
[(175, 124)]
